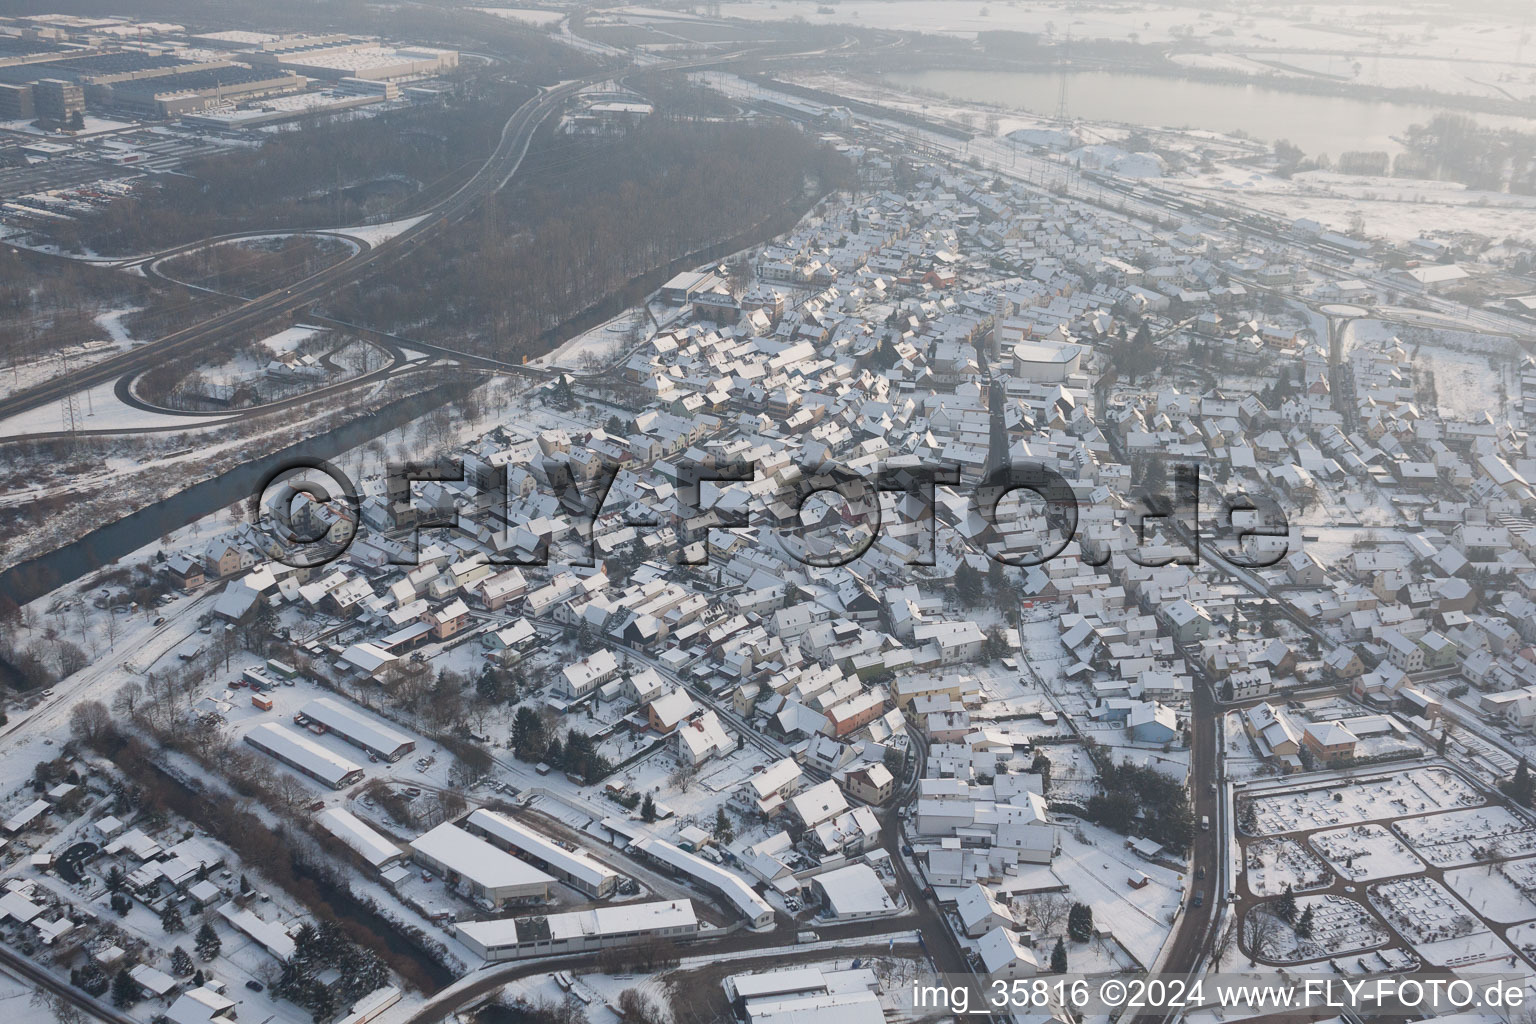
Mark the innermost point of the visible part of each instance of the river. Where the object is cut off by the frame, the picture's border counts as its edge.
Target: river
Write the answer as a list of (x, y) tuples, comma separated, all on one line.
[(1318, 124)]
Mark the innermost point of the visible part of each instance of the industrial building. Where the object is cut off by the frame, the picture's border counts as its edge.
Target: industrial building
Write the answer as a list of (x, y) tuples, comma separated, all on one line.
[(484, 872), (573, 867), (303, 754), (199, 88), (357, 728), (16, 103), (366, 841), (808, 995), (55, 99), (727, 884), (581, 930), (355, 58)]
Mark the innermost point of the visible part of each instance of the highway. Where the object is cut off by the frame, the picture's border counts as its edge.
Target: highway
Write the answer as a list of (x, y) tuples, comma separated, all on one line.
[(498, 169)]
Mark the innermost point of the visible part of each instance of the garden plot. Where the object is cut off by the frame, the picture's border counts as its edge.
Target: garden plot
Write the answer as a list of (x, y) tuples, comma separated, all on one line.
[(1419, 791), (1468, 837), (1437, 924), (1274, 864), (1363, 853), (1339, 926), (1495, 892)]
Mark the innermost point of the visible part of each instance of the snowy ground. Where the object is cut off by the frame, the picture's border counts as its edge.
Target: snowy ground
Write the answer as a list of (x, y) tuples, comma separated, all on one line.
[(599, 345), (1490, 891), (99, 409), (1097, 868), (1416, 791), (1468, 837), (529, 16), (1274, 864), (1363, 853), (374, 234)]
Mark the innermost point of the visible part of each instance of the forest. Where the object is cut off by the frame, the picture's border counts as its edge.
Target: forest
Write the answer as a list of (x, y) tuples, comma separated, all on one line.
[(1456, 147), (589, 218), (1450, 147)]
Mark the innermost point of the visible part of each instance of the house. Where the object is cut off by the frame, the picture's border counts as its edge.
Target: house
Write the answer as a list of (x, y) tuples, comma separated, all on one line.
[(588, 674), (449, 619), (665, 712), (1005, 958), (767, 790), (980, 912), (872, 784), (186, 572), (853, 893), (1189, 623), (201, 1006), (703, 738), (1344, 663), (224, 559), (1329, 741), (1152, 722), (1404, 654), (820, 803)]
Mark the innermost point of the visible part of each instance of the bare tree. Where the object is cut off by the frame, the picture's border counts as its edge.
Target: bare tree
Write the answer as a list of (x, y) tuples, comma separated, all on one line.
[(635, 1007), (1259, 931), (62, 1010), (90, 721), (71, 658), (1048, 911), (1223, 944), (291, 792), (125, 701), (682, 777)]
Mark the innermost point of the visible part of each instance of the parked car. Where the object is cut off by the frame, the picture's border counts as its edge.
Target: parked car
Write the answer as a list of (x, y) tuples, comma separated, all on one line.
[(254, 985)]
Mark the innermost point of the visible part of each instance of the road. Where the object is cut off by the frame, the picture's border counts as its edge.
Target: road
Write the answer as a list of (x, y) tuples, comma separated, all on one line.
[(516, 135), (31, 972)]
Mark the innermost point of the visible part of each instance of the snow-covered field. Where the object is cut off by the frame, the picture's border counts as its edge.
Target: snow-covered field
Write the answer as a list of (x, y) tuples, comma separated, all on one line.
[(599, 345), (99, 409)]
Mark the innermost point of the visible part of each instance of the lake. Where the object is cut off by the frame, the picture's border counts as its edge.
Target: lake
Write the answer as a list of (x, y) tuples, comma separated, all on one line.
[(1318, 124)]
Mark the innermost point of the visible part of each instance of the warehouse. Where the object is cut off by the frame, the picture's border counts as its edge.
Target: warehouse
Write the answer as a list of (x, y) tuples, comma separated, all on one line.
[(485, 872), (581, 930), (366, 841), (853, 892), (573, 867), (727, 884), (301, 753), (357, 728), (358, 59)]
